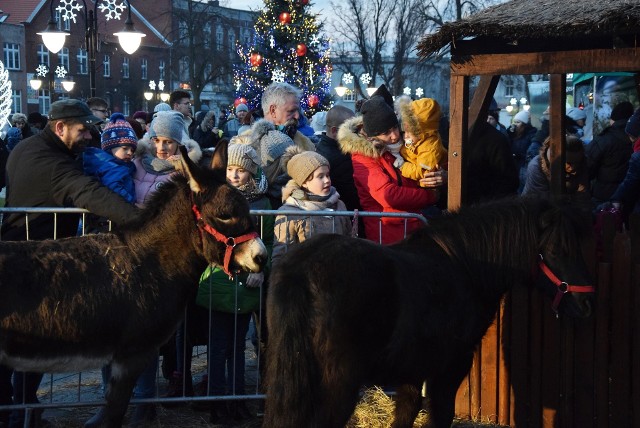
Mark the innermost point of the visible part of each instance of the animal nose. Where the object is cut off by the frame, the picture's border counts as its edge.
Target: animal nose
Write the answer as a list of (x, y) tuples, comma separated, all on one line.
[(261, 260)]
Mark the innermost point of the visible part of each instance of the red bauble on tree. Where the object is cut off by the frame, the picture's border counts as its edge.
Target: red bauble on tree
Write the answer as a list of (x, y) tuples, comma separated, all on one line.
[(241, 100), (285, 18), (255, 59), (301, 49), (303, 2), (313, 100)]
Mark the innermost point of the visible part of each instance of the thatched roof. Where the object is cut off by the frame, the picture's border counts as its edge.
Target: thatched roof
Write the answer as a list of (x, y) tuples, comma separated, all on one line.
[(539, 20)]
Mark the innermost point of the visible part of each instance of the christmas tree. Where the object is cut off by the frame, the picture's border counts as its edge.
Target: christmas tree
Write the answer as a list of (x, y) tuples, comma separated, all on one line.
[(287, 47)]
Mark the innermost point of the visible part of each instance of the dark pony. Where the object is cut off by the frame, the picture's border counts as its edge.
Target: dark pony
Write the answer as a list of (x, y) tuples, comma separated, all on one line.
[(80, 303), (344, 312)]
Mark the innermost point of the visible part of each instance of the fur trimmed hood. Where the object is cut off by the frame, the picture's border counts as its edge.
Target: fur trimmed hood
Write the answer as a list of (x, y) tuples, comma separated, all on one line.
[(421, 117), (146, 146), (352, 141)]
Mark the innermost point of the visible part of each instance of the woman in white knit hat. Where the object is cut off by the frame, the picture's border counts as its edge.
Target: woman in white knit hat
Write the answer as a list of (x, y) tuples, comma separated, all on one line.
[(308, 190)]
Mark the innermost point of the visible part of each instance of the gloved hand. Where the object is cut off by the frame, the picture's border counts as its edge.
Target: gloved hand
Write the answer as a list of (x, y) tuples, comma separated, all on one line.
[(255, 279), (605, 206)]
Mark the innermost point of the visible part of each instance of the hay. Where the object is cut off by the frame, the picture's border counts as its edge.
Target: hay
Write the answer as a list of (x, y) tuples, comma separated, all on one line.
[(375, 410)]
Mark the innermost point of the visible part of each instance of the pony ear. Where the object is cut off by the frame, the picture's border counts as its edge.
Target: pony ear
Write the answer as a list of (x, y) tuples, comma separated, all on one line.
[(219, 160), (188, 167)]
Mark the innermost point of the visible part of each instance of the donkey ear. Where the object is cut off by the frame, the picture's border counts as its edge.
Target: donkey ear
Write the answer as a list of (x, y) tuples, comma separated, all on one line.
[(219, 160), (189, 168)]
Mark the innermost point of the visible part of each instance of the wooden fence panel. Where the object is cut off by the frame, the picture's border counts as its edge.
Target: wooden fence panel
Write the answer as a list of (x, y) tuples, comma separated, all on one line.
[(533, 370)]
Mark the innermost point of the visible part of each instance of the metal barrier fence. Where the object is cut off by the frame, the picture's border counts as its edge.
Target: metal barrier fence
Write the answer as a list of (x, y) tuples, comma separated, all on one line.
[(84, 389)]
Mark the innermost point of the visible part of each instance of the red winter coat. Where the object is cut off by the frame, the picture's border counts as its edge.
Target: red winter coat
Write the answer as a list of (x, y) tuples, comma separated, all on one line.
[(380, 186)]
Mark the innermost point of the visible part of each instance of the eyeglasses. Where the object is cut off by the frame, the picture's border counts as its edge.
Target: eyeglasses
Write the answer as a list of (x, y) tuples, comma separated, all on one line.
[(100, 110), (188, 104)]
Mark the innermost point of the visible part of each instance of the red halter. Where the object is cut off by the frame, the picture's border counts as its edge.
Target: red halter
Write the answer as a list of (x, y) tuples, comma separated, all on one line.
[(230, 242), (563, 287)]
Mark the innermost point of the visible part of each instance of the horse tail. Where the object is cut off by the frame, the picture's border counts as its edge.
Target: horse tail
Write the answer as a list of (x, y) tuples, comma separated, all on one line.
[(292, 376)]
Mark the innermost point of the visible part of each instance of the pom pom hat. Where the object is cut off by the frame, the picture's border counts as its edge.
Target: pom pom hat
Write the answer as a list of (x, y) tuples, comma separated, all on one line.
[(377, 113), (302, 164), (118, 132), (243, 155)]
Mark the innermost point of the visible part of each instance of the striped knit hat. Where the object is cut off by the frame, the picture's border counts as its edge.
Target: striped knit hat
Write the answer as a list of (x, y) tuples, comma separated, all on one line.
[(118, 132)]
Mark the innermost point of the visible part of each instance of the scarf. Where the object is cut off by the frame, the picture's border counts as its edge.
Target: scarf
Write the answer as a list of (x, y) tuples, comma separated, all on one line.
[(156, 165), (310, 202), (253, 190)]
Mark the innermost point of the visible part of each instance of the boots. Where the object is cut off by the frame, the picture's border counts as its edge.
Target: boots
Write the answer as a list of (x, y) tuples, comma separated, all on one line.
[(95, 420)]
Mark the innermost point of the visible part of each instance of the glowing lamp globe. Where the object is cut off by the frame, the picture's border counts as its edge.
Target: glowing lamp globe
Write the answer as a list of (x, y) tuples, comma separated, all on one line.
[(313, 100), (255, 59), (285, 18), (301, 49)]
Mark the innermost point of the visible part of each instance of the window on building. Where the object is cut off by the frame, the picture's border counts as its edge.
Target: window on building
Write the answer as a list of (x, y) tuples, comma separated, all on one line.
[(161, 69), (44, 101), (183, 32), (126, 106), (246, 38), (125, 68), (509, 86), (83, 60), (206, 35), (43, 54), (184, 69), (62, 24), (232, 42), (12, 56), (63, 58), (144, 69), (350, 95), (219, 38), (106, 66), (16, 101)]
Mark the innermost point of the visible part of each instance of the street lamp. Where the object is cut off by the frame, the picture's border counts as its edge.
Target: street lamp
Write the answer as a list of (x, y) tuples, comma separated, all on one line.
[(129, 38), (42, 71), (158, 90), (516, 105)]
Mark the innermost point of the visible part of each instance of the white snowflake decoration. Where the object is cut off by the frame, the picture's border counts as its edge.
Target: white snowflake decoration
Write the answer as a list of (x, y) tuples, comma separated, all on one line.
[(347, 78), (365, 78), (278, 75), (68, 8), (5, 95), (42, 70), (272, 42), (61, 72), (161, 85), (113, 9), (406, 90), (238, 85), (420, 92), (152, 85), (315, 39)]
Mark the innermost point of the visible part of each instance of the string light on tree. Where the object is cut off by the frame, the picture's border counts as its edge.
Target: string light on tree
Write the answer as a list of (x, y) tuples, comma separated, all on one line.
[(5, 95)]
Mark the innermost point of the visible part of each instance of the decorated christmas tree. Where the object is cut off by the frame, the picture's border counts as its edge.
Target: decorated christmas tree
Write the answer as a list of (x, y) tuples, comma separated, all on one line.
[(287, 47)]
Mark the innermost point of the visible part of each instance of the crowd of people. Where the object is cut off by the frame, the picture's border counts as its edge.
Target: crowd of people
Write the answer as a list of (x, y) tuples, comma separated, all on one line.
[(389, 156)]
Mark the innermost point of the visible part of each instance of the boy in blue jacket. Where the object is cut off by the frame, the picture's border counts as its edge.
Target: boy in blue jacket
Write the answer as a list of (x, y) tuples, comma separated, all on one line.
[(112, 164)]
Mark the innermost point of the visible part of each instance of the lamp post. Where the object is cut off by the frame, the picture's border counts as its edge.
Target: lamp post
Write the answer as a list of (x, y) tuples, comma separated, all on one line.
[(157, 90), (515, 105), (43, 71), (129, 38)]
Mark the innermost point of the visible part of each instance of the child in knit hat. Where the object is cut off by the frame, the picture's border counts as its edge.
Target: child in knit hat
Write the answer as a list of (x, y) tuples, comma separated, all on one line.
[(308, 190), (233, 300), (422, 149), (112, 163)]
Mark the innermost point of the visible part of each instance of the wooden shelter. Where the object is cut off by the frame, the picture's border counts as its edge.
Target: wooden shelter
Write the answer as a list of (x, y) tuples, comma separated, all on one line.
[(533, 370), (552, 37)]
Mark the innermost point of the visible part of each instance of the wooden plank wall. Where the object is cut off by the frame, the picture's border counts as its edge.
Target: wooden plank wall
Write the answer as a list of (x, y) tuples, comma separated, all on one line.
[(533, 370)]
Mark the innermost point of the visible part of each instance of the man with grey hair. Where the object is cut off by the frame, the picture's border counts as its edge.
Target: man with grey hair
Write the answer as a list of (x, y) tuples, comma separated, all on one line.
[(281, 107)]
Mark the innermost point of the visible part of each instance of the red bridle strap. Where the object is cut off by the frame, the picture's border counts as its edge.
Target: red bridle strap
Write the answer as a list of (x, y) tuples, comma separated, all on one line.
[(230, 242), (563, 287)]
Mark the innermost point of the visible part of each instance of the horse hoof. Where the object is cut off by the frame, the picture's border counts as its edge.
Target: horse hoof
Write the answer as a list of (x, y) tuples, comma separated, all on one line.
[(96, 420), (142, 414)]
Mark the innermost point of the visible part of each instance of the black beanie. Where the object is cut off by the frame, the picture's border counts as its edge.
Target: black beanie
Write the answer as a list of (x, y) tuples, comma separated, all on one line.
[(622, 111), (377, 116)]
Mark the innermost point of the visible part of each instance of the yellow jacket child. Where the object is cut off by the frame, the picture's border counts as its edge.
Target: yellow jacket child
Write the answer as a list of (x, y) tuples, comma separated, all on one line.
[(422, 150)]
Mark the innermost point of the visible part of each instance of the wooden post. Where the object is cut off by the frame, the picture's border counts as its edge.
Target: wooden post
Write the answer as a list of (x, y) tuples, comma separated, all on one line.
[(458, 134), (557, 132)]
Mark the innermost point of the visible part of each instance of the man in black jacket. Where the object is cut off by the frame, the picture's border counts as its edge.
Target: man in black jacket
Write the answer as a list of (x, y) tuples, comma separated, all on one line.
[(45, 171)]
